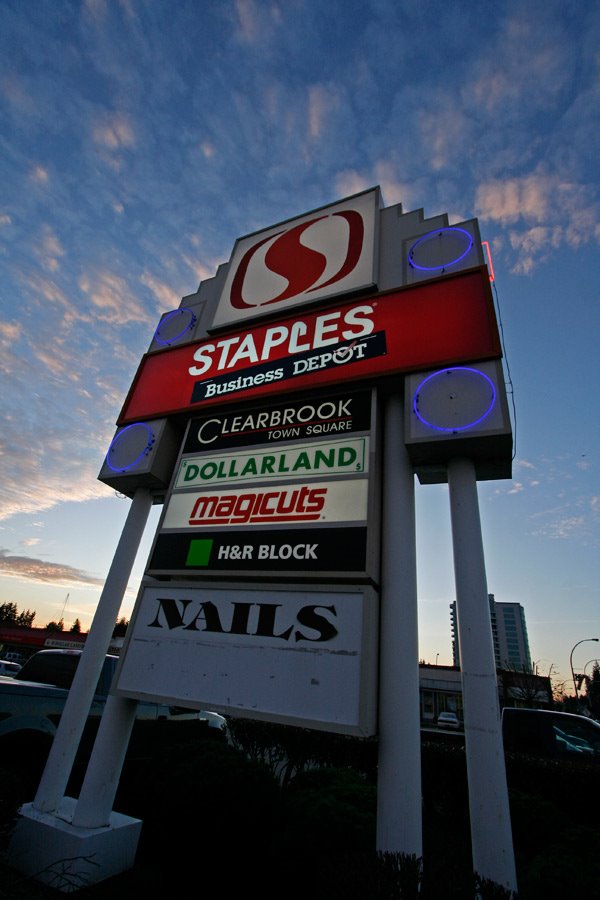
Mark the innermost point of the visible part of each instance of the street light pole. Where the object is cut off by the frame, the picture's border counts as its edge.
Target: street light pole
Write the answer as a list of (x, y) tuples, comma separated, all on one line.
[(571, 663)]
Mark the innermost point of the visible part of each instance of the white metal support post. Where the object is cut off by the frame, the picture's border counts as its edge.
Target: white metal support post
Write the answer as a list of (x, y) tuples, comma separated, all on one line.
[(47, 843), (491, 834), (79, 700), (101, 780), (399, 818)]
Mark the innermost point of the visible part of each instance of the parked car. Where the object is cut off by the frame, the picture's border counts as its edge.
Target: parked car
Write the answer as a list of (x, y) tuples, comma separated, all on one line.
[(31, 702), (9, 668), (448, 720), (546, 732)]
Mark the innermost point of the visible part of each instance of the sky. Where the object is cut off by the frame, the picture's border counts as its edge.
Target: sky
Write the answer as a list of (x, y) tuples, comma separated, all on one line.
[(141, 138)]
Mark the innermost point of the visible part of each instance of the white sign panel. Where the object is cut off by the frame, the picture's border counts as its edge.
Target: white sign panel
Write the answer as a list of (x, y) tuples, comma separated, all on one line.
[(327, 252), (296, 656), (344, 457), (286, 504)]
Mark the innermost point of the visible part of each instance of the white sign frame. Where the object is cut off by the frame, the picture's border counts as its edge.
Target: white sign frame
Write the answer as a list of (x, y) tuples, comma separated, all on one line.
[(299, 679)]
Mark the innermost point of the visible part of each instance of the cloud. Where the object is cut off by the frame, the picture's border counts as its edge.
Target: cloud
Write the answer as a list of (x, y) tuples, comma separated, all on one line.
[(508, 201), (14, 90), (524, 464), (10, 332), (51, 244), (35, 488), (444, 132), (577, 517), (50, 250), (56, 429), (565, 527), (51, 361), (247, 20), (565, 508), (96, 9), (536, 67), (551, 211), (350, 182), (384, 174), (322, 101), (42, 287), (543, 199), (114, 131), (255, 21), (201, 271), (113, 300), (28, 568), (39, 175), (165, 295), (393, 190)]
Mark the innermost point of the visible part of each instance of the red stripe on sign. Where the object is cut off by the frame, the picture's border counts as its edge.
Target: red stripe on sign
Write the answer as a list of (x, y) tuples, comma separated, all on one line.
[(443, 322)]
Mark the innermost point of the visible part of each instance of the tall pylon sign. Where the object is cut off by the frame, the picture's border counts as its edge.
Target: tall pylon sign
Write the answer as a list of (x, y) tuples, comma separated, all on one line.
[(280, 415)]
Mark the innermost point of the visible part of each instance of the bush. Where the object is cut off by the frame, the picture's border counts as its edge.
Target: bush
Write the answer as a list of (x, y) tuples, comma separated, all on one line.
[(288, 750), (327, 811), (13, 793), (222, 821), (204, 807)]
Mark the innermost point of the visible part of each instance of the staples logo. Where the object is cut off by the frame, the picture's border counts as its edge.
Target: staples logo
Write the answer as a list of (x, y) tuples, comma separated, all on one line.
[(303, 505), (315, 256), (304, 269)]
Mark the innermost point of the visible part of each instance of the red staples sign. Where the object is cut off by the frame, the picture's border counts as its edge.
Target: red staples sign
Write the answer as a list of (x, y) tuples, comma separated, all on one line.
[(432, 324), (321, 254)]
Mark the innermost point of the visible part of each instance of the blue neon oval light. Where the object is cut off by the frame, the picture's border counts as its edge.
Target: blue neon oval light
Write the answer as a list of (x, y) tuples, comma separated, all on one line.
[(454, 428), (177, 337), (450, 262), (145, 451)]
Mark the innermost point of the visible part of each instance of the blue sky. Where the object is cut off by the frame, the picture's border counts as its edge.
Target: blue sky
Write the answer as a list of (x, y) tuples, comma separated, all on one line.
[(140, 138)]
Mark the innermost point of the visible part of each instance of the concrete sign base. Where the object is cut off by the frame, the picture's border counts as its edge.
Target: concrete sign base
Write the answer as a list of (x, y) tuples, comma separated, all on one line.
[(47, 847)]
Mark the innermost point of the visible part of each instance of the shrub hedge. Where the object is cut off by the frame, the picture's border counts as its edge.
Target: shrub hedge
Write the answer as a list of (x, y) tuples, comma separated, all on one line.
[(287, 812)]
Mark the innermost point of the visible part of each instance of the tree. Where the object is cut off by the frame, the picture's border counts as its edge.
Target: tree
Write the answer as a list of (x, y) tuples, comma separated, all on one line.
[(75, 627), (9, 615), (593, 691), (120, 627), (56, 626), (526, 688)]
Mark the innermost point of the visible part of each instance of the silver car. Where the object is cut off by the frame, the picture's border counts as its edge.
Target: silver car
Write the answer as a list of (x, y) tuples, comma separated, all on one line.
[(448, 720)]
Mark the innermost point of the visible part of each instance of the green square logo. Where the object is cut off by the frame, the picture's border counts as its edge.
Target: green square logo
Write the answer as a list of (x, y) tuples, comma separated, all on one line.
[(199, 552)]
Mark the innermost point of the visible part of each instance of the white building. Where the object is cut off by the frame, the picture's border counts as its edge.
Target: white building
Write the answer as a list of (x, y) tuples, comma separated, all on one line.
[(509, 631)]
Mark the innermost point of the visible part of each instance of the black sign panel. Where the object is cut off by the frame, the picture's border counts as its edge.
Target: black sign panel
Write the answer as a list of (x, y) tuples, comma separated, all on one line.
[(320, 416), (304, 550)]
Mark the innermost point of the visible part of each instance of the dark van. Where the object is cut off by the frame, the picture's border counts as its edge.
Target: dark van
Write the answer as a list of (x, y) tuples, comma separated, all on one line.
[(548, 733)]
